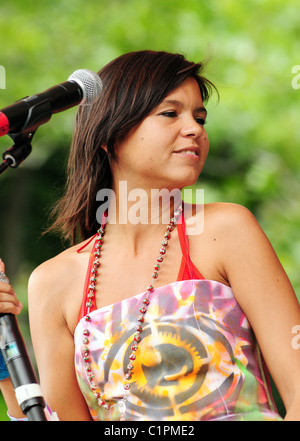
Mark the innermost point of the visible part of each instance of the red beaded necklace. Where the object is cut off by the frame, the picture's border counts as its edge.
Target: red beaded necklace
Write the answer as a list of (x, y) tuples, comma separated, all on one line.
[(140, 319)]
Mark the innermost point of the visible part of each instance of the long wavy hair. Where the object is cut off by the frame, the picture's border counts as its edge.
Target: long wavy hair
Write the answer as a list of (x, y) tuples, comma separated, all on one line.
[(134, 84)]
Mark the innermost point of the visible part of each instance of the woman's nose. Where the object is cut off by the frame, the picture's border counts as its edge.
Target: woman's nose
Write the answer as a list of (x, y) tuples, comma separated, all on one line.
[(192, 128)]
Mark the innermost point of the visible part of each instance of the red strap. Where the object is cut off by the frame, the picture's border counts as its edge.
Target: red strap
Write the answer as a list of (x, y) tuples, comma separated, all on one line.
[(86, 244), (187, 270), (83, 307)]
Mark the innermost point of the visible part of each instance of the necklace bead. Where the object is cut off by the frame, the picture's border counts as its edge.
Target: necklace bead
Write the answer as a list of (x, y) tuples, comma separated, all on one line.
[(140, 319)]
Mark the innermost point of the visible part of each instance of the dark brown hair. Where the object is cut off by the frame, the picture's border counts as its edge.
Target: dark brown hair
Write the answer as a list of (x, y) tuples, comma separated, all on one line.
[(134, 84)]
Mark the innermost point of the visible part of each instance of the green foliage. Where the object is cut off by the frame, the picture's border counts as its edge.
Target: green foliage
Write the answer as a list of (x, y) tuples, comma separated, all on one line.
[(253, 130), (3, 410)]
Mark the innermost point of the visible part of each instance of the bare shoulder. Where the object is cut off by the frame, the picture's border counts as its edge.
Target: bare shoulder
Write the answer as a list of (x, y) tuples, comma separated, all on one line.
[(55, 287), (220, 219), (235, 230), (229, 232), (55, 269), (228, 213)]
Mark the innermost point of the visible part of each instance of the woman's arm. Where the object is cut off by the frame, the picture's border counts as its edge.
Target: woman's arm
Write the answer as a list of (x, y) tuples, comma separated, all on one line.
[(265, 294), (53, 342)]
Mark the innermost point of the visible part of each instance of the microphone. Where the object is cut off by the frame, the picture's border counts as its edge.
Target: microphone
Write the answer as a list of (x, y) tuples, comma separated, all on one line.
[(25, 115), (27, 390)]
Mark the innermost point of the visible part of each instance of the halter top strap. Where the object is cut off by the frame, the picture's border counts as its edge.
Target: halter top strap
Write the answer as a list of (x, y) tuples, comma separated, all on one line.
[(187, 270)]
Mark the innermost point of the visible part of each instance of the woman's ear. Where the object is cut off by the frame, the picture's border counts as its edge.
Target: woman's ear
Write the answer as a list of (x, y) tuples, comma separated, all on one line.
[(104, 147)]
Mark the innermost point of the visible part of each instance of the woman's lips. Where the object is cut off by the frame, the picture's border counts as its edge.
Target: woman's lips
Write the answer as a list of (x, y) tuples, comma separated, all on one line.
[(189, 152)]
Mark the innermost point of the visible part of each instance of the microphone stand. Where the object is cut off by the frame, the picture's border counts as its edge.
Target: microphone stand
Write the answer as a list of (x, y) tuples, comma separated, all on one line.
[(12, 346), (16, 154)]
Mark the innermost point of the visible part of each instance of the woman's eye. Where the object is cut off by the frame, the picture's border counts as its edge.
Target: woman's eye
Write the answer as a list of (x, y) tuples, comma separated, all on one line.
[(170, 114), (201, 121), (173, 114)]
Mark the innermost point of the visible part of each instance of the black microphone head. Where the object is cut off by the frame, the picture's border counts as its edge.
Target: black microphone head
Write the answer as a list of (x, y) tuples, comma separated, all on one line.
[(90, 84)]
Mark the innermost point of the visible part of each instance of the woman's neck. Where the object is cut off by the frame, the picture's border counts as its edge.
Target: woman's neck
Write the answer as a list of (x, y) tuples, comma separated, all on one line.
[(138, 215), (139, 206)]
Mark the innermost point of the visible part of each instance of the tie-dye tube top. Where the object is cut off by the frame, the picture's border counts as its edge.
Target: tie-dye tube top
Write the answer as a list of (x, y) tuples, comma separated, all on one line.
[(198, 359)]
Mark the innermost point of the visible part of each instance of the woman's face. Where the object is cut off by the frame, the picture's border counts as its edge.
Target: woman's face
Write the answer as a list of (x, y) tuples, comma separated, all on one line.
[(169, 148)]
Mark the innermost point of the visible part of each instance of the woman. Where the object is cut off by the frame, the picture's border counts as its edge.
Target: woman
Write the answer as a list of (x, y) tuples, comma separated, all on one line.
[(184, 347)]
